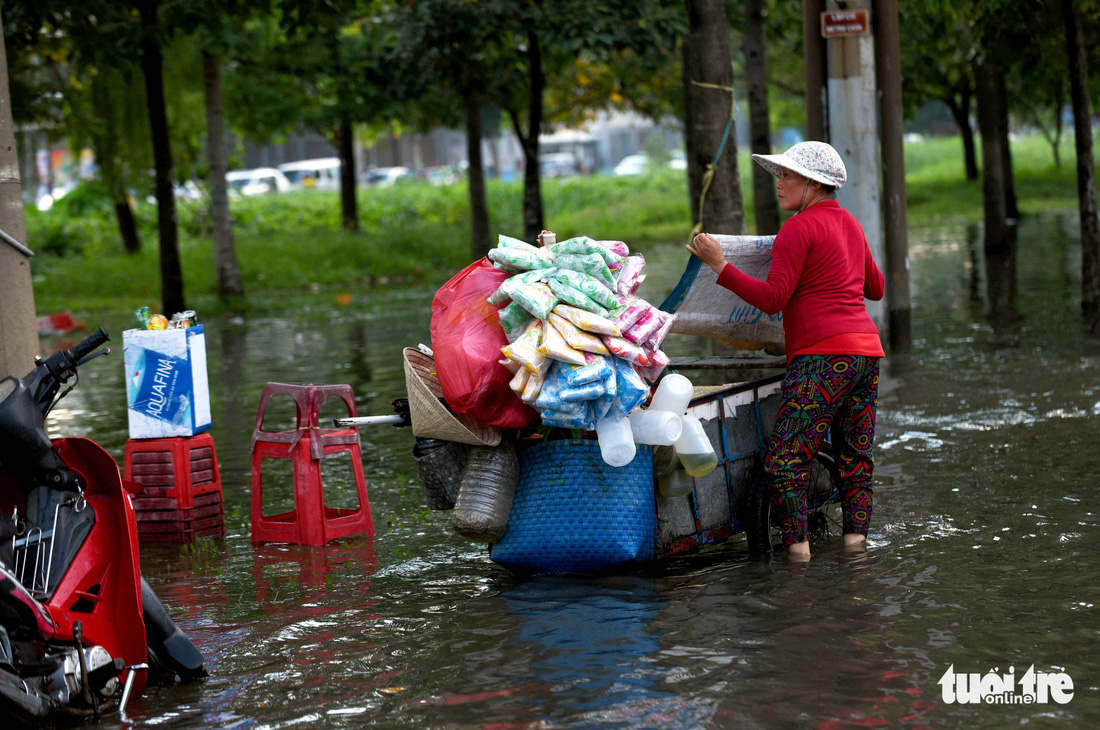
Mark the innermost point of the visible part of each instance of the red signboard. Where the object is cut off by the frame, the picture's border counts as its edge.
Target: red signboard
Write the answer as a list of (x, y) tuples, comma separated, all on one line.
[(837, 23)]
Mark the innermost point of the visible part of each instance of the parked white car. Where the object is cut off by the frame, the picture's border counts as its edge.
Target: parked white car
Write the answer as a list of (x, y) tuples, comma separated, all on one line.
[(322, 173), (261, 181), (384, 177), (632, 165)]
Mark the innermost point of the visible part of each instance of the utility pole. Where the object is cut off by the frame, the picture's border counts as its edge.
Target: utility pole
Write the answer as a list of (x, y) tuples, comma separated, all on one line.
[(895, 227), (852, 119), (18, 324)]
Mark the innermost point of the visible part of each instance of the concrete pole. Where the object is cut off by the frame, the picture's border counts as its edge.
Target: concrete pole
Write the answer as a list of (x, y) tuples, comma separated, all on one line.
[(853, 131), (888, 66), (18, 324)]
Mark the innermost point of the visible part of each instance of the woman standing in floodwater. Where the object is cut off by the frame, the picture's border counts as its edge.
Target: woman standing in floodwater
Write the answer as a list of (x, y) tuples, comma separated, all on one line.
[(821, 272)]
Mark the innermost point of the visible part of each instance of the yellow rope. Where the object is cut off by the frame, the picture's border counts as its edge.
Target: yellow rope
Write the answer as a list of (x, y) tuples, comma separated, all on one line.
[(708, 176)]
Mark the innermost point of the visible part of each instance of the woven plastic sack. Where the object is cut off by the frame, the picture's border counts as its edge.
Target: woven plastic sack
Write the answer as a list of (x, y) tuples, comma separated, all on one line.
[(705, 309), (573, 513), (466, 340)]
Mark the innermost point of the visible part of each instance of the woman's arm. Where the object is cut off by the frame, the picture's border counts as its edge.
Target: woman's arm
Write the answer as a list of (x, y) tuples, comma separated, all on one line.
[(769, 296)]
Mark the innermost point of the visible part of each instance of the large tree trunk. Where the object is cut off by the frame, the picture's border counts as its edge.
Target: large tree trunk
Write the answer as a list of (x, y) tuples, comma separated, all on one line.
[(993, 162), (532, 191), (225, 251), (480, 241), (349, 207), (764, 203), (1086, 169), (171, 277), (716, 204)]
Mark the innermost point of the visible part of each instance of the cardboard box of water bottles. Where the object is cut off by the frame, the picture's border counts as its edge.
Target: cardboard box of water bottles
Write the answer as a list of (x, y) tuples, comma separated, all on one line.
[(167, 393)]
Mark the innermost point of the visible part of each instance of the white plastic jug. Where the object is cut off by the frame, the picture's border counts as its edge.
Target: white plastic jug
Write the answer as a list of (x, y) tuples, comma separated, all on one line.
[(676, 483), (616, 440), (657, 428), (694, 448), (673, 394)]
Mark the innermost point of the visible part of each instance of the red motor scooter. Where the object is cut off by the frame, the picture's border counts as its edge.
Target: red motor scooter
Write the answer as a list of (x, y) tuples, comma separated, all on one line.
[(80, 629)]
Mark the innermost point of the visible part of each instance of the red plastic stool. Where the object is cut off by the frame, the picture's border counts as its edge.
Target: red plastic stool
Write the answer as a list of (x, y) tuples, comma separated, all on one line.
[(311, 522), (181, 489)]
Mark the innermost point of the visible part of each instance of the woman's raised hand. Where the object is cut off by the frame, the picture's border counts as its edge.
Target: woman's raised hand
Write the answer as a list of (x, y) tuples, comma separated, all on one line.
[(709, 250)]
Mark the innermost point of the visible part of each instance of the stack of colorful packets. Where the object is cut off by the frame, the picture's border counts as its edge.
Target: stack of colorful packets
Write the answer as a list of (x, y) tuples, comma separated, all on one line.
[(581, 344)]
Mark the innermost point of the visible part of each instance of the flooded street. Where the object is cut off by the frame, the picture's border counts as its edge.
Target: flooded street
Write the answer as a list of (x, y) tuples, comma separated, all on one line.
[(981, 555)]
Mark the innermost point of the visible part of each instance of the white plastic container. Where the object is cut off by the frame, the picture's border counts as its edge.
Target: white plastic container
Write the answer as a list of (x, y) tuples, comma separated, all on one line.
[(694, 448), (673, 394), (616, 440), (657, 428), (676, 483)]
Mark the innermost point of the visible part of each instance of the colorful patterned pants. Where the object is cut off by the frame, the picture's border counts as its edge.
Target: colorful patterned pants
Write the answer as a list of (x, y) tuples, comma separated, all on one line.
[(822, 392)]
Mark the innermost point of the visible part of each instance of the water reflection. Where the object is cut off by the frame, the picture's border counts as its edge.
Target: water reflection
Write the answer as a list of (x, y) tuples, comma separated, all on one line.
[(979, 555)]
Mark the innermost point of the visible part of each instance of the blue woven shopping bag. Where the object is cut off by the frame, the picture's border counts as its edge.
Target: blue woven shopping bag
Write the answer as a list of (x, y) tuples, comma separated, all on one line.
[(574, 513)]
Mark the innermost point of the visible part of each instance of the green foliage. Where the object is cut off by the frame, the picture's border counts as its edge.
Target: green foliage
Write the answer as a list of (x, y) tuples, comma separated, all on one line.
[(418, 234)]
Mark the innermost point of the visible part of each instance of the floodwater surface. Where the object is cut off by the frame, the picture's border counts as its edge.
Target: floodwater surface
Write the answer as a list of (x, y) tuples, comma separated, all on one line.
[(982, 555)]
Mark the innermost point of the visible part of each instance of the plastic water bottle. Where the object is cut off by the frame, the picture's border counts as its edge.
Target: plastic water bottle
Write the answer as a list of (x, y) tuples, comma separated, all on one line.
[(694, 449), (657, 428), (616, 440), (673, 394), (486, 492)]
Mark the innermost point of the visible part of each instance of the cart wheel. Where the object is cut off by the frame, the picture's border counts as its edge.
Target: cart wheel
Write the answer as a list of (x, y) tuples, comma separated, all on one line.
[(822, 507)]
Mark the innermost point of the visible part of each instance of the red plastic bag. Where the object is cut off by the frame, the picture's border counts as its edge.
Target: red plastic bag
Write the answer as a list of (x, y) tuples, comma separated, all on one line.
[(466, 340)]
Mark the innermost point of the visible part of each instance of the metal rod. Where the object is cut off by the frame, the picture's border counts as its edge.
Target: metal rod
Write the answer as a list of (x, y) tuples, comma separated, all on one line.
[(367, 420), (15, 244), (128, 687)]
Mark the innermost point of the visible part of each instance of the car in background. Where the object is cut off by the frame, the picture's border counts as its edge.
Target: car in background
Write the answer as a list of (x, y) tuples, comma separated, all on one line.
[(558, 164), (322, 173), (384, 177), (631, 165), (261, 181)]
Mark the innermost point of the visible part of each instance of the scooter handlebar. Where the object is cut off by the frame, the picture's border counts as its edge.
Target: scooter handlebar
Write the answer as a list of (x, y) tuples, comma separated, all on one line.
[(85, 348)]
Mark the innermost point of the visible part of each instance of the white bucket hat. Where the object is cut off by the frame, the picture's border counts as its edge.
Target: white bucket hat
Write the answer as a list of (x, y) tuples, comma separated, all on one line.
[(813, 160)]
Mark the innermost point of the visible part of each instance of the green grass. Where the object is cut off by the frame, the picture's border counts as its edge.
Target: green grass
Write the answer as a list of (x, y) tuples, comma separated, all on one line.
[(419, 234)]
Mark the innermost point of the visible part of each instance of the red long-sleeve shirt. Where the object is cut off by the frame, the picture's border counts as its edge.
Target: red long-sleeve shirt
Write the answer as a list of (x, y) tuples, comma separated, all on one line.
[(821, 272)]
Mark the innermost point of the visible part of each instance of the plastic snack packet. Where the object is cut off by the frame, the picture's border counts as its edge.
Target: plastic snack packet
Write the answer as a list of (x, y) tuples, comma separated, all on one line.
[(627, 350), (532, 389), (518, 258), (502, 293), (571, 295), (513, 320), (630, 275), (633, 311), (588, 391), (595, 369), (592, 264), (538, 299), (554, 346), (592, 288), (616, 247), (588, 321), (519, 380), (644, 328), (658, 337), (577, 338), (632, 389), (524, 350), (583, 245)]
